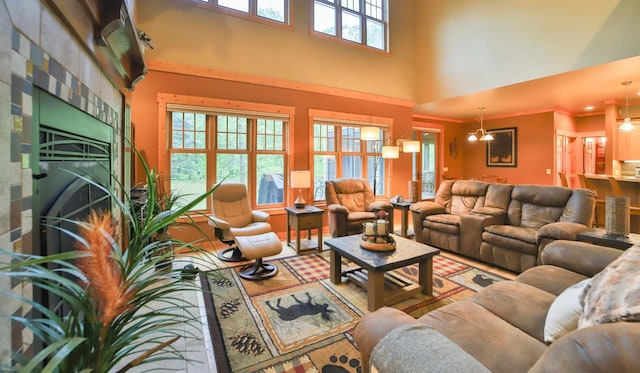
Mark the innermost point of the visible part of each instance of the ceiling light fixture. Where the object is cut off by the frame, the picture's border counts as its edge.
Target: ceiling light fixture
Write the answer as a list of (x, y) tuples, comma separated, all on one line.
[(626, 125), (480, 133)]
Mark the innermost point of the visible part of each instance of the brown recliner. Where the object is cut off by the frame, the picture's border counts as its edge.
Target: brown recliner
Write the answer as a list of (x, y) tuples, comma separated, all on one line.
[(351, 202)]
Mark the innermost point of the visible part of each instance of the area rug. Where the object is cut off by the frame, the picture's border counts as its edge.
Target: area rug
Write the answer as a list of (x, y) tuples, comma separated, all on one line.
[(298, 321)]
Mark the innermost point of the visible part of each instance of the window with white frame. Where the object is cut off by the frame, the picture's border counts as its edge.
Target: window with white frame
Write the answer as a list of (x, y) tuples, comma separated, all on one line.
[(338, 152), (207, 147), (359, 21), (274, 10)]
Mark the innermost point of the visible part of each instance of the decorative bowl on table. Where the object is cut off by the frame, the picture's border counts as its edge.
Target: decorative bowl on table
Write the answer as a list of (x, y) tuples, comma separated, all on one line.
[(378, 243)]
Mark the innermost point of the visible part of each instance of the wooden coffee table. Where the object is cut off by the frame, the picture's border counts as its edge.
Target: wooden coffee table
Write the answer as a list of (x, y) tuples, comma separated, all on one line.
[(377, 263)]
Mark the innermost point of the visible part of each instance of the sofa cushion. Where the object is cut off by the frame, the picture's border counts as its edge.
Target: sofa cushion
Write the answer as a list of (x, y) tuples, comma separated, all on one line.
[(539, 276), (449, 219), (564, 313), (519, 304), (484, 335), (614, 293)]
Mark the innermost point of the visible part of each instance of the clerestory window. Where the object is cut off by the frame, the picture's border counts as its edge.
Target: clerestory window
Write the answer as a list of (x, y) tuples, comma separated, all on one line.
[(274, 10), (358, 21)]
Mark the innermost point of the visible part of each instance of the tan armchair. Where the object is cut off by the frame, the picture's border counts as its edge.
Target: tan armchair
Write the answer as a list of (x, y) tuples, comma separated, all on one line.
[(235, 222), (350, 202)]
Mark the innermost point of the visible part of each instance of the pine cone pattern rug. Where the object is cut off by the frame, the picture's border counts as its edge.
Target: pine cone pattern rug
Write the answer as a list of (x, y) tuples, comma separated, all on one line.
[(298, 321)]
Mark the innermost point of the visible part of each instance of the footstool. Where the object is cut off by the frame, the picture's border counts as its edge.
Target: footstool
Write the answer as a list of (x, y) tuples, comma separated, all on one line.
[(257, 247)]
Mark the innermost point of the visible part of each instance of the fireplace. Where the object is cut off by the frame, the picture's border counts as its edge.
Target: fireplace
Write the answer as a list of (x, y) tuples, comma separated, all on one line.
[(72, 148)]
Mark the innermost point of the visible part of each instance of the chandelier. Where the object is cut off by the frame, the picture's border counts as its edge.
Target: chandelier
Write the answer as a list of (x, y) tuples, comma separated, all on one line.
[(480, 134), (626, 126)]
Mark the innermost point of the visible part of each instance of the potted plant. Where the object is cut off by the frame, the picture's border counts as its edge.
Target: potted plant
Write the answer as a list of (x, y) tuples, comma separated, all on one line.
[(120, 311)]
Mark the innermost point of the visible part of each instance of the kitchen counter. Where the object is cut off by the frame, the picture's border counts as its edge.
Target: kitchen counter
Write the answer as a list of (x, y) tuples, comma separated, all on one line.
[(630, 179)]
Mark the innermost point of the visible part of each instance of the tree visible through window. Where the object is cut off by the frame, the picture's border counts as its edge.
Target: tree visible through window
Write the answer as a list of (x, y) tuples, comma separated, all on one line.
[(358, 21), (275, 10), (207, 148)]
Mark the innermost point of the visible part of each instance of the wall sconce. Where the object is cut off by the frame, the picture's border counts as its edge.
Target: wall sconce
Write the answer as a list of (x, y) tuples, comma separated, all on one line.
[(300, 180)]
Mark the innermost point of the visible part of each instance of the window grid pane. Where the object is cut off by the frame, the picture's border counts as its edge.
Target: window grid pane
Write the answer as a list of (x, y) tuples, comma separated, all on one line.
[(324, 139), (186, 131), (239, 5), (373, 8), (324, 18), (189, 177), (270, 135), (324, 168), (350, 139), (269, 174), (272, 9), (351, 27), (232, 133)]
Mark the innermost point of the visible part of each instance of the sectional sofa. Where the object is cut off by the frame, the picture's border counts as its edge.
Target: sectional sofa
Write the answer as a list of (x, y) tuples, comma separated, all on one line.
[(501, 224), (576, 312)]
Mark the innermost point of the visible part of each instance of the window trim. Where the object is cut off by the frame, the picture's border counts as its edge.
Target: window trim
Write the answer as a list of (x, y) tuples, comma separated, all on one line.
[(362, 13), (169, 101), (341, 118), (213, 6)]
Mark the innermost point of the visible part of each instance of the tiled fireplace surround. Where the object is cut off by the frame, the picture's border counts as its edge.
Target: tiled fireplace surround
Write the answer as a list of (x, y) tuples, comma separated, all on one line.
[(36, 50)]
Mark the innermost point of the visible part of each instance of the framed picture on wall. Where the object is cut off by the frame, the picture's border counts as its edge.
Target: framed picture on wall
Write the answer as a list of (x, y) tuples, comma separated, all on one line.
[(502, 151)]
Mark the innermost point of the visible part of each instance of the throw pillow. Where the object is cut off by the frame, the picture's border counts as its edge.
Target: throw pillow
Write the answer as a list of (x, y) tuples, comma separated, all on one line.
[(564, 313), (614, 293)]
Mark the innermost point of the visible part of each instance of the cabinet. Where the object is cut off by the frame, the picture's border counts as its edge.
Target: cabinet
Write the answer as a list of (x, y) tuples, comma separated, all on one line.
[(628, 148)]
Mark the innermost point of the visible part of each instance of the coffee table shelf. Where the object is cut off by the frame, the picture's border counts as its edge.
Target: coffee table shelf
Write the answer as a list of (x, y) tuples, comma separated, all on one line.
[(378, 264)]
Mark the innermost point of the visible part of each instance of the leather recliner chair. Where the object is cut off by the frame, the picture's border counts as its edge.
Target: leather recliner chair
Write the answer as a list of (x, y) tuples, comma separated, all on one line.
[(351, 202)]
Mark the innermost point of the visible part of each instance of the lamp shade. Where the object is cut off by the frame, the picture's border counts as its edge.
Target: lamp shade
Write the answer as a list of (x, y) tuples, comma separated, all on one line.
[(300, 179), (390, 151), (411, 146), (369, 133)]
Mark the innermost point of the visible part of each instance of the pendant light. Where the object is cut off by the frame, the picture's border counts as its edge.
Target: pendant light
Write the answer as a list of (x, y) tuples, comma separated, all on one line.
[(480, 133), (626, 126)]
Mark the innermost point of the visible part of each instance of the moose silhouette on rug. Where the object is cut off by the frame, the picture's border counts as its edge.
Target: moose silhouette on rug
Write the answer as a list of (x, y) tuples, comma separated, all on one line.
[(482, 280), (300, 309)]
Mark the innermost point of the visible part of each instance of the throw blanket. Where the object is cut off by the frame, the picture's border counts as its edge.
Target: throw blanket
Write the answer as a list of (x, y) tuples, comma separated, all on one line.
[(418, 348)]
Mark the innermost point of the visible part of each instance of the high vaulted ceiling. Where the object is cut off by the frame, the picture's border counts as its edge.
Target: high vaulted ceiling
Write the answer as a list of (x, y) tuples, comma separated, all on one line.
[(570, 92)]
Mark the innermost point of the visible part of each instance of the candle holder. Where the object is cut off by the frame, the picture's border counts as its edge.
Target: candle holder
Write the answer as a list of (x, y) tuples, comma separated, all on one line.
[(376, 235)]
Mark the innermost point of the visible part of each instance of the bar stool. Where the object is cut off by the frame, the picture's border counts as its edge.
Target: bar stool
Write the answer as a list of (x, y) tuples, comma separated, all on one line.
[(600, 203), (634, 210), (563, 179)]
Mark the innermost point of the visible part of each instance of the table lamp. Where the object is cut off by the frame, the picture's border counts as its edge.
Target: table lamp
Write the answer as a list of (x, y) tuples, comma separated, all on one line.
[(300, 180)]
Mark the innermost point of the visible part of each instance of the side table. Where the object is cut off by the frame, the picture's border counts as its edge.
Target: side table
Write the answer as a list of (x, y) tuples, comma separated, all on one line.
[(599, 236), (307, 218), (404, 225)]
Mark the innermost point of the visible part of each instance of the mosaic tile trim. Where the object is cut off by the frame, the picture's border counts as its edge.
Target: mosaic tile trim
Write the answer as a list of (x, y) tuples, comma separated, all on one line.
[(45, 72)]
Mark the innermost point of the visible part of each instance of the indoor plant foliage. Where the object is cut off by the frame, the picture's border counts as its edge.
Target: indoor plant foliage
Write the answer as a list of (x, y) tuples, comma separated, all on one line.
[(118, 311)]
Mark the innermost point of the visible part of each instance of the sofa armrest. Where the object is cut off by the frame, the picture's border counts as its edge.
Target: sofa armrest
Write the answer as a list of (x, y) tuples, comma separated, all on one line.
[(380, 205), (218, 223), (491, 211), (337, 209), (471, 229), (374, 326), (581, 257), (425, 208), (560, 231), (611, 347), (259, 215)]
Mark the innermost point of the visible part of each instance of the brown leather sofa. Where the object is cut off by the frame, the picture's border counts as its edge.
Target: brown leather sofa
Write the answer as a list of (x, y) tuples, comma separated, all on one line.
[(501, 224), (502, 326), (351, 202)]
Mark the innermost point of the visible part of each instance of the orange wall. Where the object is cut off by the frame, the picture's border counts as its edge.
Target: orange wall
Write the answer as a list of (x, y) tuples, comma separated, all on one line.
[(534, 150), (592, 123), (145, 117)]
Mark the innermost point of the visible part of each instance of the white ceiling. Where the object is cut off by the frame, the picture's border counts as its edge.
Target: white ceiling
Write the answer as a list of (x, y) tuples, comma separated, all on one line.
[(570, 92)]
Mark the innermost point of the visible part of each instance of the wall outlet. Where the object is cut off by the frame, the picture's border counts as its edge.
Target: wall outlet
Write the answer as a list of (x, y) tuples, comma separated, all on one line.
[(445, 169), (548, 171)]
